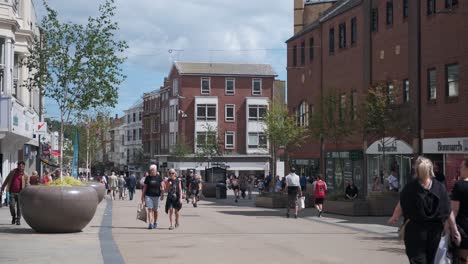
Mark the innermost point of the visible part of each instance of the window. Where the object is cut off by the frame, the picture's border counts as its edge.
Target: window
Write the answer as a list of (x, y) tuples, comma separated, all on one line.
[(303, 53), (311, 49), (331, 41), (342, 37), (342, 105), (257, 112), (389, 12), (451, 3), (303, 114), (205, 138), (175, 87), (295, 56), (229, 140), (353, 30), (205, 85), (432, 84), (139, 116), (405, 8), (134, 135), (452, 75), (230, 114), (375, 19), (139, 133), (129, 137), (406, 91), (206, 112), (391, 93), (134, 117), (257, 87), (257, 141), (123, 140), (431, 7), (230, 88), (354, 105)]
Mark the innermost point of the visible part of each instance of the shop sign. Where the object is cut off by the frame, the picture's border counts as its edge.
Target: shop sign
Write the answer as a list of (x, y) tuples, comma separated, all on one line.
[(445, 145), (389, 145)]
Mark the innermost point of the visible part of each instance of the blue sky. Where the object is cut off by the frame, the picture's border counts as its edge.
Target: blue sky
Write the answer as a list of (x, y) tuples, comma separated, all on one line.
[(162, 31)]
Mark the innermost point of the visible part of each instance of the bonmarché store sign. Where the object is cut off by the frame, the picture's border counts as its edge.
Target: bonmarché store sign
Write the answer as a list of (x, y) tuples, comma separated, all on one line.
[(446, 145)]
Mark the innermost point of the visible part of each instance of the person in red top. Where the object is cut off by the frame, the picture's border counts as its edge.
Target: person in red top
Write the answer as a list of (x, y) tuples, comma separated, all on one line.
[(46, 178), (320, 188), (16, 180)]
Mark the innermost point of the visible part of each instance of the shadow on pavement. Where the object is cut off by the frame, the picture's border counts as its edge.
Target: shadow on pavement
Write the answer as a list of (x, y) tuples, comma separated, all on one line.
[(6, 230), (254, 213)]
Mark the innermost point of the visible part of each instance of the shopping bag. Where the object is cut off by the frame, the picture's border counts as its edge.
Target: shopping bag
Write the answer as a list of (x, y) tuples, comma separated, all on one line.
[(442, 254), (302, 202), (141, 213)]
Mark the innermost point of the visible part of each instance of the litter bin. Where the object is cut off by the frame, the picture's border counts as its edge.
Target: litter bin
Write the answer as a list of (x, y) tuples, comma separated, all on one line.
[(221, 191)]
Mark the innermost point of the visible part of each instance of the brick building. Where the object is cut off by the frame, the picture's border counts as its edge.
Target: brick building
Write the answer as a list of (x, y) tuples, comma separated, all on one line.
[(200, 99), (418, 47), (151, 125)]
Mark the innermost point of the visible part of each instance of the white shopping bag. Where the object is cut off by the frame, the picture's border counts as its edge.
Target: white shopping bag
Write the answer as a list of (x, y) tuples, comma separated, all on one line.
[(141, 213), (302, 202), (442, 255)]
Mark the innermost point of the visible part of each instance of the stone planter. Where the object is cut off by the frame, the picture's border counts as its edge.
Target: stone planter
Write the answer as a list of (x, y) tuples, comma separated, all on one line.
[(348, 208), (100, 189), (271, 200), (382, 203), (56, 209)]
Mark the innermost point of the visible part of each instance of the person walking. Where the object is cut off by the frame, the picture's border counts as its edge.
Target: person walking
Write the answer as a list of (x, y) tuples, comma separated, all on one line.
[(320, 188), (194, 189), (121, 185), (243, 184), (46, 178), (250, 186), (16, 181), (293, 186), (460, 211), (188, 179), (235, 186), (131, 186), (303, 181), (152, 194), (34, 179), (174, 198), (113, 184), (425, 205)]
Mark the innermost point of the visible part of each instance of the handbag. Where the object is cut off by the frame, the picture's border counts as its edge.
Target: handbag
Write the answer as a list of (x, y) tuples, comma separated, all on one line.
[(401, 231), (141, 213), (442, 254)]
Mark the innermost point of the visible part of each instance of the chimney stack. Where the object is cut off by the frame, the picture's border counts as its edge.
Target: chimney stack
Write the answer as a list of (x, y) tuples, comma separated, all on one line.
[(298, 15)]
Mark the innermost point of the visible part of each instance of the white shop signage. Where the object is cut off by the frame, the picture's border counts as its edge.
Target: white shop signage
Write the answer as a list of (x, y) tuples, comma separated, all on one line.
[(445, 145), (389, 145)]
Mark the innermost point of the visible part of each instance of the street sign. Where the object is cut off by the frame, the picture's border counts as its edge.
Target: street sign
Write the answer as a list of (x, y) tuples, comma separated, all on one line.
[(41, 128)]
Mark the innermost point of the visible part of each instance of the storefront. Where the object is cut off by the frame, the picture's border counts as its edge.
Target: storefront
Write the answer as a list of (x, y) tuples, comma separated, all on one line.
[(385, 156), (342, 167), (306, 167), (447, 154)]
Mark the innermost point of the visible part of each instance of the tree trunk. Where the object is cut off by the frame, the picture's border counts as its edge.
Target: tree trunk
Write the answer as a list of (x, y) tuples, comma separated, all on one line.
[(87, 150), (62, 132)]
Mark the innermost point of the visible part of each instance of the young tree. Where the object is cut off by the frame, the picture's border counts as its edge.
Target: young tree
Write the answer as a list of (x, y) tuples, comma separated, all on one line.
[(334, 121), (281, 131), (78, 66), (180, 149), (382, 116), (208, 147)]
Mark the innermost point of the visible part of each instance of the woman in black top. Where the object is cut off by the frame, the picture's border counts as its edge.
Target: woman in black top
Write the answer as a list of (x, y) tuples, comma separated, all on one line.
[(460, 210), (174, 198), (425, 205)]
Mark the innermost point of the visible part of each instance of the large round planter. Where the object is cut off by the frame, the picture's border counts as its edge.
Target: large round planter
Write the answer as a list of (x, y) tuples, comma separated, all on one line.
[(55, 209), (100, 189)]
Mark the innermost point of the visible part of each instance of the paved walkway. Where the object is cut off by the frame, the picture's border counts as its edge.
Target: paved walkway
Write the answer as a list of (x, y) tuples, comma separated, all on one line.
[(215, 232)]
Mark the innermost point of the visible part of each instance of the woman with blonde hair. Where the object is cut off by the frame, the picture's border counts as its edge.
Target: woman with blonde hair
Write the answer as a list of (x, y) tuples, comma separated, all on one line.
[(174, 198), (460, 210), (425, 205)]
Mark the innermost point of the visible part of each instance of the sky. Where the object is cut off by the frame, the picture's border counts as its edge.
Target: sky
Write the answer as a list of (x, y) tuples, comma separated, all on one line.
[(160, 32)]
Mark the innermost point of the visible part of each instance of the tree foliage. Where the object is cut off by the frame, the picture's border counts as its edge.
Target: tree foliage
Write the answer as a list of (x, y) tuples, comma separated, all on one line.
[(78, 66), (281, 130), (210, 145)]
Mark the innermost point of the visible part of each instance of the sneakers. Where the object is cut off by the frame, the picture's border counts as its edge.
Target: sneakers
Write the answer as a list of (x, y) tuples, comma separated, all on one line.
[(18, 222), (320, 213), (155, 225), (176, 225), (171, 228), (150, 226), (13, 220)]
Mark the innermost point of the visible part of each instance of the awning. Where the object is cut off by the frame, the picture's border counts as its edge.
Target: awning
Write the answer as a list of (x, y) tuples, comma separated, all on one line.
[(389, 145)]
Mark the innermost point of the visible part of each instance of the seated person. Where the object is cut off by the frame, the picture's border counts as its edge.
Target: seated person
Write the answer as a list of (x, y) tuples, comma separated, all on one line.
[(351, 191)]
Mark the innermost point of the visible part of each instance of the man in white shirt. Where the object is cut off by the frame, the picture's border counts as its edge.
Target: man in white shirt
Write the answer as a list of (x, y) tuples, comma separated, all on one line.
[(293, 186), (392, 182)]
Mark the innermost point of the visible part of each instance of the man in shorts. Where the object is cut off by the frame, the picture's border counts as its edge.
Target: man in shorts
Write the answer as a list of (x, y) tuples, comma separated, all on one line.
[(188, 179), (320, 187), (293, 186), (194, 189)]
